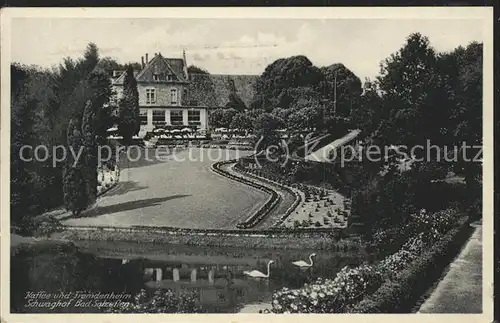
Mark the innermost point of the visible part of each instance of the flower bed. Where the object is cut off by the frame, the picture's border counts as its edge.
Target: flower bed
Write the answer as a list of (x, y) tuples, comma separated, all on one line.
[(107, 179), (161, 301), (328, 295), (394, 278), (314, 207)]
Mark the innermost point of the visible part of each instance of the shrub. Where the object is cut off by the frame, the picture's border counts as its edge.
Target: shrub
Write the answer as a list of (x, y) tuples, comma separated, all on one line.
[(46, 224), (327, 295), (162, 301), (403, 272), (317, 224)]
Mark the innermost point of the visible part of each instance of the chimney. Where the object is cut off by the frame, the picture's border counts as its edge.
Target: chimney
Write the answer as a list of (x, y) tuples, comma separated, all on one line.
[(185, 64), (142, 61), (147, 61)]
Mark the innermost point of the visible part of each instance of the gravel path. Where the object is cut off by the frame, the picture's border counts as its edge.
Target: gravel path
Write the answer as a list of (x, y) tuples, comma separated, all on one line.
[(322, 154), (460, 291)]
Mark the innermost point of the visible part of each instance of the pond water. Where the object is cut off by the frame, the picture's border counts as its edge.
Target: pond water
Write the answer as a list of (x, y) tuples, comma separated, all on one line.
[(216, 274)]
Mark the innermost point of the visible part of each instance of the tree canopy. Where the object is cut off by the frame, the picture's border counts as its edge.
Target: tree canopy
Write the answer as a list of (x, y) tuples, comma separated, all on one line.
[(192, 69), (43, 103)]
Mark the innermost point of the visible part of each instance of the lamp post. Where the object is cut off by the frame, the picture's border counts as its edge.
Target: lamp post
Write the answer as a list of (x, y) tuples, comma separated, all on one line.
[(335, 94)]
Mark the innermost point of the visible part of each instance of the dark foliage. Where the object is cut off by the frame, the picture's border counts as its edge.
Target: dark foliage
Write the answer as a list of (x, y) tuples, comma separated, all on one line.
[(43, 103), (128, 121)]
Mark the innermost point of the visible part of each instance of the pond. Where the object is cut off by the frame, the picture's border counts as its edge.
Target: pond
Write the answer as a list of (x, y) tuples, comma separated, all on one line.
[(215, 274)]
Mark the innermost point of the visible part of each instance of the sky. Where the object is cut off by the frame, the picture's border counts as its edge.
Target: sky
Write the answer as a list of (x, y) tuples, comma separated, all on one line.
[(234, 46)]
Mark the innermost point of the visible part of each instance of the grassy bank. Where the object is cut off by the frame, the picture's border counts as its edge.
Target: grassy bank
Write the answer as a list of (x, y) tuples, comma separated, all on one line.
[(318, 241), (20, 244)]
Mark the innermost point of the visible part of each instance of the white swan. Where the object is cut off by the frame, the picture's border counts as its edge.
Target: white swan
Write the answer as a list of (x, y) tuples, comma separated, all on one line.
[(303, 264), (258, 274)]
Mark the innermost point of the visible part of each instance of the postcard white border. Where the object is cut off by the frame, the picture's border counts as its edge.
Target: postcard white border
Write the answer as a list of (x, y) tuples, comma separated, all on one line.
[(484, 16)]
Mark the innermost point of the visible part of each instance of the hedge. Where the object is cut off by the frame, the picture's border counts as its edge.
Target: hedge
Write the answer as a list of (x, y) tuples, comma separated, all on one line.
[(402, 293)]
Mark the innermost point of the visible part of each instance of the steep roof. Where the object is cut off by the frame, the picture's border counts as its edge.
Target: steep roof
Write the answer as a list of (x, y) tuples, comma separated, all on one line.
[(159, 65), (213, 89)]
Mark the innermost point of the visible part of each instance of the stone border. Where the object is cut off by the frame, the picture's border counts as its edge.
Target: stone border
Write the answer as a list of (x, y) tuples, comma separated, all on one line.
[(298, 196), (258, 215)]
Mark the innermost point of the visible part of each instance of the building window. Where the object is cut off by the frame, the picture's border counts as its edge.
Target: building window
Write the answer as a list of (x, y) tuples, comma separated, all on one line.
[(170, 77), (194, 117), (156, 77), (150, 96), (173, 96), (176, 117), (158, 116), (143, 116)]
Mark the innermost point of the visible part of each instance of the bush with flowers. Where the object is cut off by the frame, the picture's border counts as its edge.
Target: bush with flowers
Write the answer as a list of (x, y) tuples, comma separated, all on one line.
[(393, 264), (329, 295), (402, 292), (431, 225), (162, 301), (351, 285)]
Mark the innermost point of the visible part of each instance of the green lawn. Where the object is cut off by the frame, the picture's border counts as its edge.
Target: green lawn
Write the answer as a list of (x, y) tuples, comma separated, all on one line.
[(179, 191)]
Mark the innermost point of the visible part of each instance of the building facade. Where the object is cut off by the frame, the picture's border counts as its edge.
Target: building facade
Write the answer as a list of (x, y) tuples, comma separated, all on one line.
[(170, 96)]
